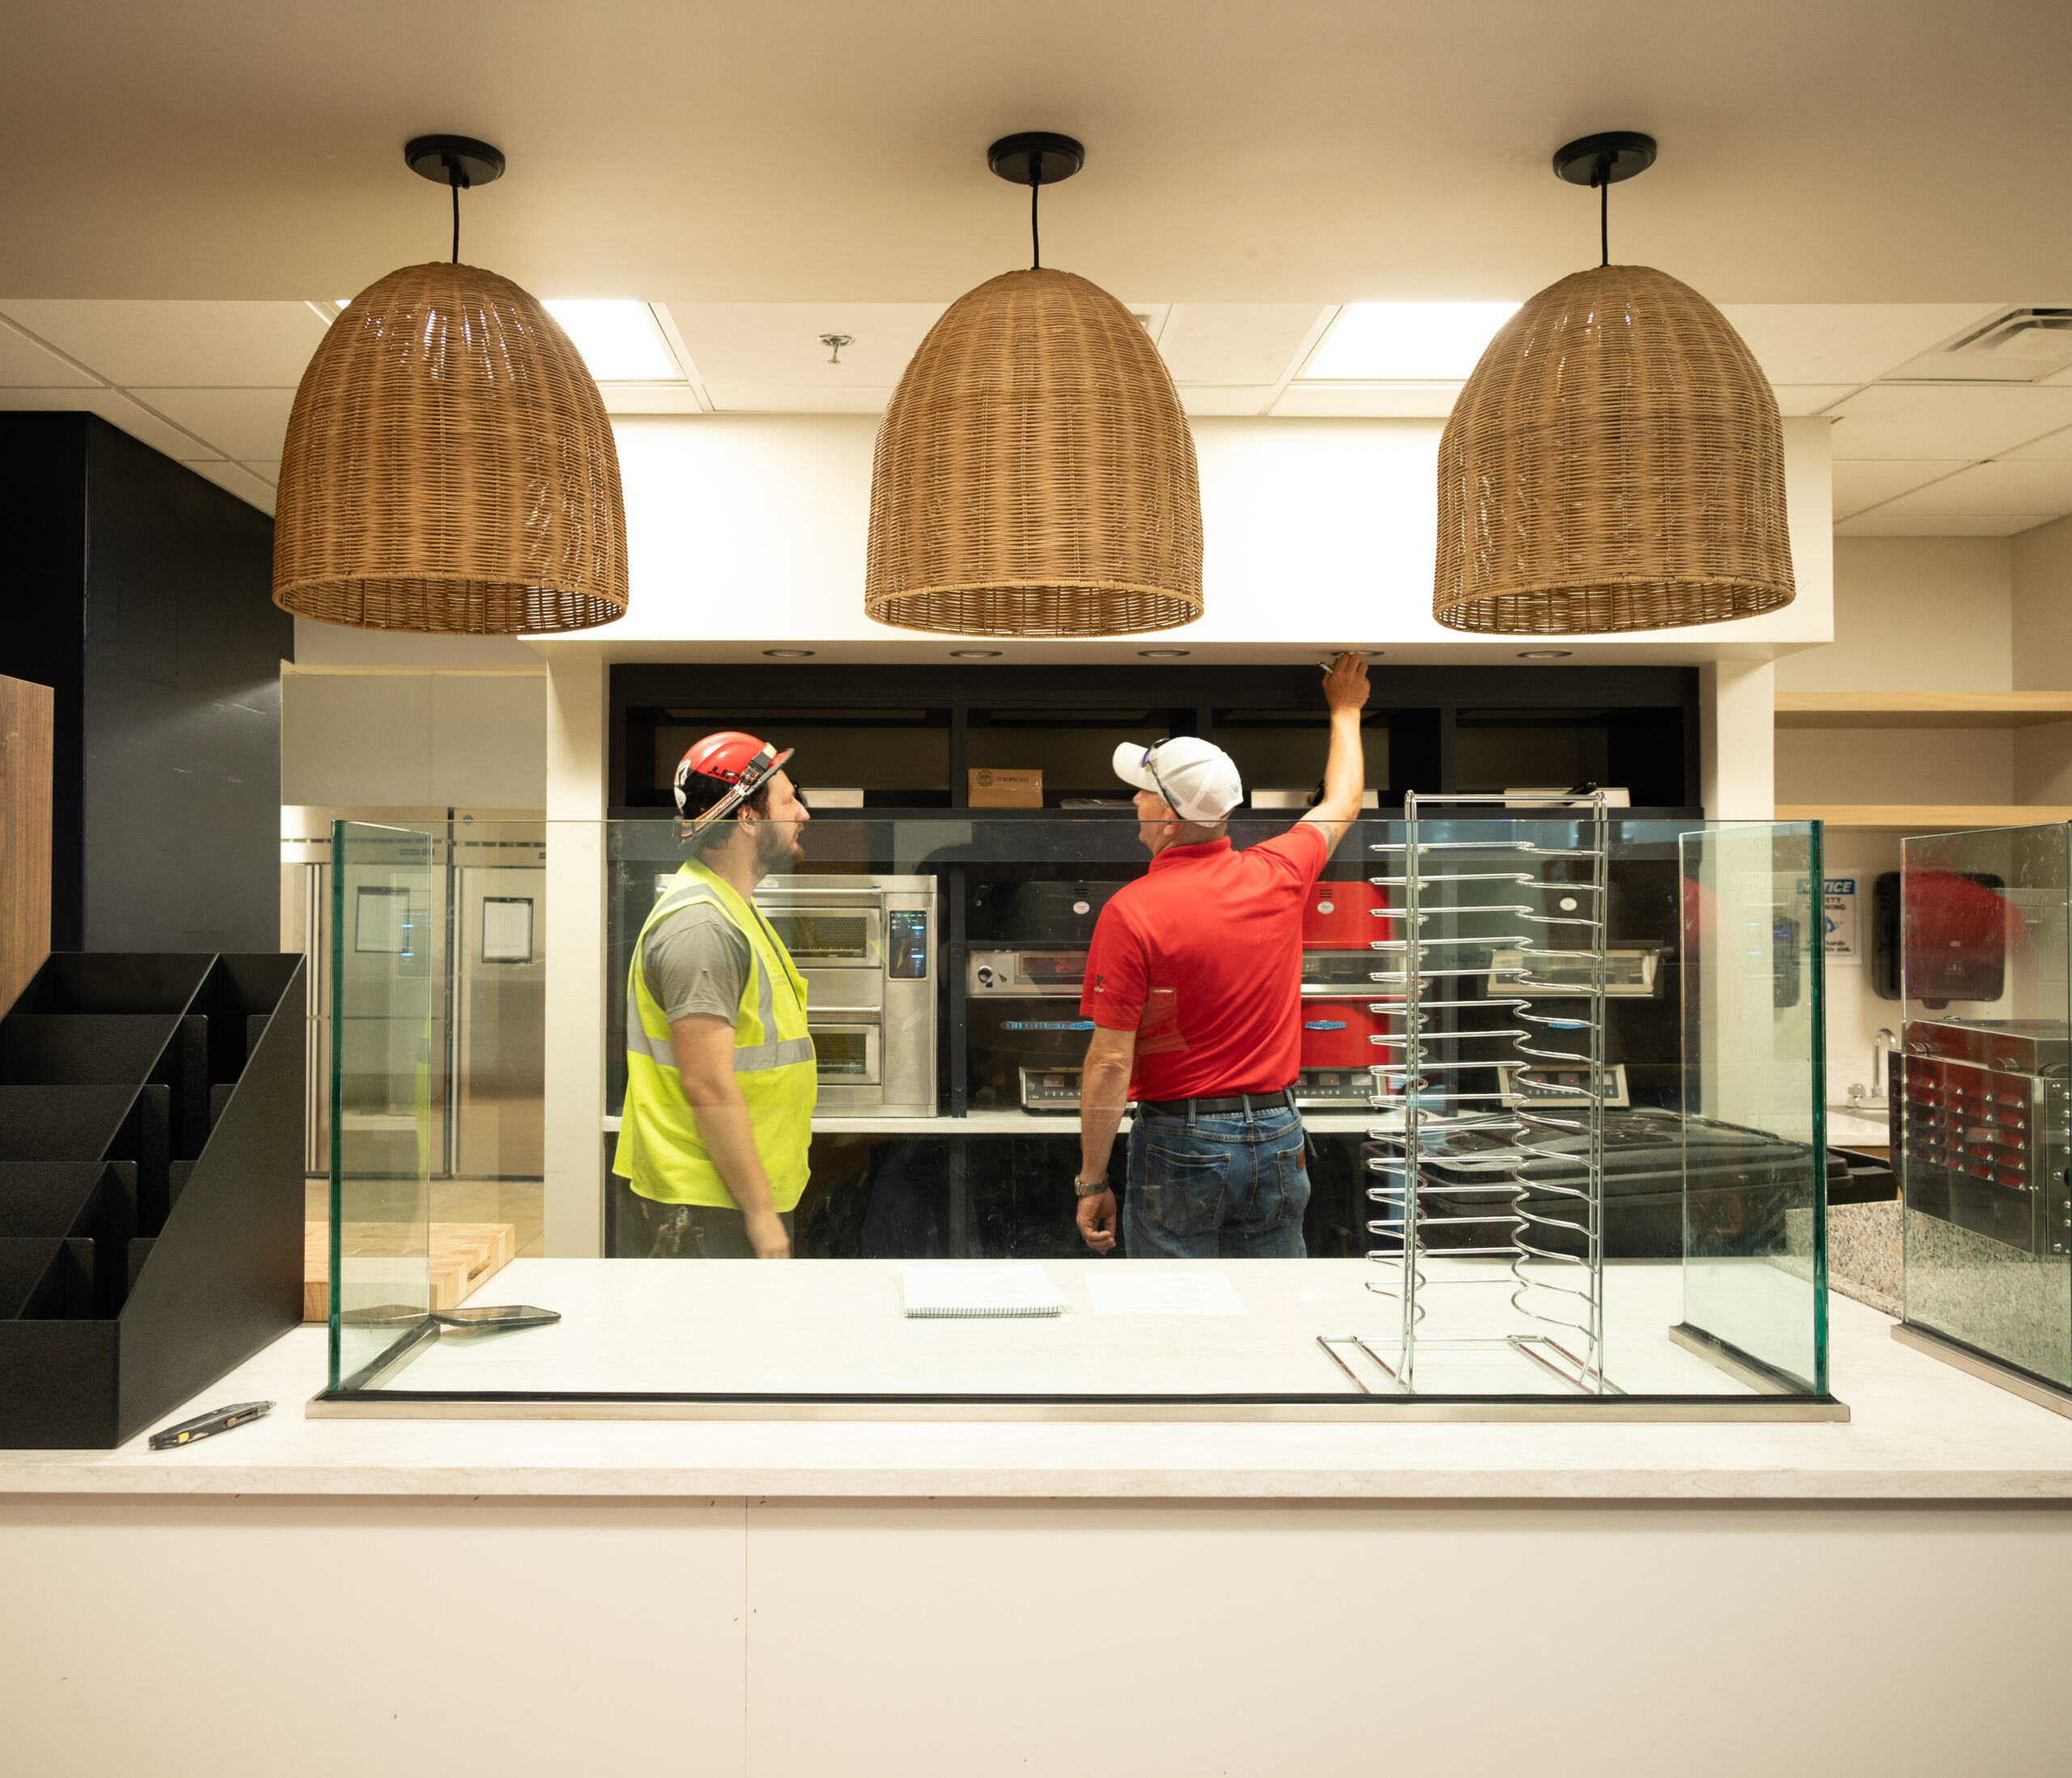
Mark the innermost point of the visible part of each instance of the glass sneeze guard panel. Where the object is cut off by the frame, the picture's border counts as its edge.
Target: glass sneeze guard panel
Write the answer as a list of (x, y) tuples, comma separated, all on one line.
[(1984, 1053), (943, 962)]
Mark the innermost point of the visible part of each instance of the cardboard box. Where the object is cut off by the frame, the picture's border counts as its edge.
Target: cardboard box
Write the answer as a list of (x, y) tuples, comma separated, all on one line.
[(1005, 786)]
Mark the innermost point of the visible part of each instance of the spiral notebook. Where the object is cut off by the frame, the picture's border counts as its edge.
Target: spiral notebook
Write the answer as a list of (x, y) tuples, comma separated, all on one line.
[(970, 1292)]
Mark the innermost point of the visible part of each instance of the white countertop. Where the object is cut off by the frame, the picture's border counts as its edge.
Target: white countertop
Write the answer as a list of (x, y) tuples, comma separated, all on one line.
[(1920, 1431)]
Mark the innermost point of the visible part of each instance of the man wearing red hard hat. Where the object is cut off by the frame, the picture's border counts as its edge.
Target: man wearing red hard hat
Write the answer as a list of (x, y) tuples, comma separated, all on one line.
[(719, 1072)]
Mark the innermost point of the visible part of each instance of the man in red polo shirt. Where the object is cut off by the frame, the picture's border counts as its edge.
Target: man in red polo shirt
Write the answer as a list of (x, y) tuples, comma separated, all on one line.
[(1195, 981)]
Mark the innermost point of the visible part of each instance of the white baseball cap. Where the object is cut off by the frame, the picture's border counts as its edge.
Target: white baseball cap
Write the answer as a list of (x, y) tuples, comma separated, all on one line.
[(1197, 778)]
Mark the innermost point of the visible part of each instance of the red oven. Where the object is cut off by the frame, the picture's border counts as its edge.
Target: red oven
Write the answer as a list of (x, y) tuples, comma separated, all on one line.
[(1345, 917), (1336, 1034)]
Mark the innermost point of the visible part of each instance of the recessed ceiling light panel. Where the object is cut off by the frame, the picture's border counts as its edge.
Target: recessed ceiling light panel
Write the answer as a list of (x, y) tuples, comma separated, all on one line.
[(1405, 341), (619, 341)]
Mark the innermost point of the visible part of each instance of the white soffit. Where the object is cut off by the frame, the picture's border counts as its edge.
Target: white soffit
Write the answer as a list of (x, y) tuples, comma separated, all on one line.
[(1859, 484), (189, 345), (1227, 401), (651, 398), (1924, 421), (791, 398), (1237, 345), (1845, 342)]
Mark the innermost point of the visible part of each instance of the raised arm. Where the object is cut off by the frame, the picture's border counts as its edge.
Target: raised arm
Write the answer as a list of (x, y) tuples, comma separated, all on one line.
[(1345, 771)]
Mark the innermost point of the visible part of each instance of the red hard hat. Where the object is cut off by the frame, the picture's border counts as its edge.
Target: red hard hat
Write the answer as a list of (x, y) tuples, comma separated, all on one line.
[(720, 773)]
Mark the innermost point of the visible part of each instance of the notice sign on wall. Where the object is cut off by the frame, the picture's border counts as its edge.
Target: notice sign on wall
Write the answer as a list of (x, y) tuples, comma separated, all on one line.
[(1838, 916)]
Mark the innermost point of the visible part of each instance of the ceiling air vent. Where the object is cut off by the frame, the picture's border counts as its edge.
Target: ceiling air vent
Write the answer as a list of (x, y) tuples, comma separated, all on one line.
[(2019, 345)]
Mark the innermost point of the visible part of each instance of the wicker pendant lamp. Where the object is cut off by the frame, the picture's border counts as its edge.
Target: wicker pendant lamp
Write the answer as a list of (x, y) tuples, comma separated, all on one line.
[(449, 469), (1614, 462), (1035, 475)]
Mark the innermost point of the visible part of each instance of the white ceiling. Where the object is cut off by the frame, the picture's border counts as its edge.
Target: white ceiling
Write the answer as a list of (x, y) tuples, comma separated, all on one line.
[(210, 385), (185, 188)]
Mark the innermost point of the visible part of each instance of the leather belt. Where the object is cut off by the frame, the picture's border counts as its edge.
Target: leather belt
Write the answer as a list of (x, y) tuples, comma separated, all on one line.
[(1282, 1100)]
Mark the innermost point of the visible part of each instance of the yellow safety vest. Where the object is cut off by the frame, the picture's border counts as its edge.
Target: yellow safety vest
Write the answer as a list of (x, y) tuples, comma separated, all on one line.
[(658, 1149)]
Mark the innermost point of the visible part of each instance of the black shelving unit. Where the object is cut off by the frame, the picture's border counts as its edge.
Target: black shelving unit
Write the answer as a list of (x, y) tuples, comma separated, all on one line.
[(150, 1186), (1434, 728)]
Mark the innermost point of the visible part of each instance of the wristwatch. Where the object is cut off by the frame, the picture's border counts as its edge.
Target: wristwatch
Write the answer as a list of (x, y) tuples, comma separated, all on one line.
[(1088, 1188)]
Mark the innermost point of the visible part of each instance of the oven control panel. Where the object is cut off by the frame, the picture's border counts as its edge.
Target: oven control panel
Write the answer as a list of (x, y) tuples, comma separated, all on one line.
[(1050, 1089), (907, 956), (1047, 974)]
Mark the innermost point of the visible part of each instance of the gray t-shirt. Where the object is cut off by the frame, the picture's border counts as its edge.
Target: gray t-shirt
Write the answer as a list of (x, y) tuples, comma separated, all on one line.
[(697, 962)]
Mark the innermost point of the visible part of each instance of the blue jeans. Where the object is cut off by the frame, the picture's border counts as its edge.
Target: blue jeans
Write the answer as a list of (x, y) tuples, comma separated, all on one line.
[(1228, 1187)]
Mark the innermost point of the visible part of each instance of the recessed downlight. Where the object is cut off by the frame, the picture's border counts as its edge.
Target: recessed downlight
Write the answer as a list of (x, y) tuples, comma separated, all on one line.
[(787, 654), (1545, 654), (975, 654), (1164, 654)]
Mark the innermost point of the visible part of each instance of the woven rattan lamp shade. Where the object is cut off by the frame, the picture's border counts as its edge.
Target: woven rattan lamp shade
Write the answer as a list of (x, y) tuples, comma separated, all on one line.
[(1034, 474), (1615, 463), (449, 469)]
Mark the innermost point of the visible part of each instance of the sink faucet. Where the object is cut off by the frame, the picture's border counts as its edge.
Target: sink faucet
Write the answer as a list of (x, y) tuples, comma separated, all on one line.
[(1882, 1045)]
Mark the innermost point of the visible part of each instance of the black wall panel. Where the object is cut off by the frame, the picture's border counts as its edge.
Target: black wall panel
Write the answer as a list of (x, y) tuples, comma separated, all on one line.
[(146, 606)]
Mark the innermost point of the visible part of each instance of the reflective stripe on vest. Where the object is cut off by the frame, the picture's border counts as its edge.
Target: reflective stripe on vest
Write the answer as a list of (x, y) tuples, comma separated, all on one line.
[(748, 1059)]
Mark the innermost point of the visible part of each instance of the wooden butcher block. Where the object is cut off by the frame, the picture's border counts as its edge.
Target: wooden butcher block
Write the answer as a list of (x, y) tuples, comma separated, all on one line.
[(465, 1255)]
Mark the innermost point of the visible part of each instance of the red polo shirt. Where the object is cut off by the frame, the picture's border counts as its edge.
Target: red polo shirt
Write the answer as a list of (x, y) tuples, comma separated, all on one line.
[(1202, 958)]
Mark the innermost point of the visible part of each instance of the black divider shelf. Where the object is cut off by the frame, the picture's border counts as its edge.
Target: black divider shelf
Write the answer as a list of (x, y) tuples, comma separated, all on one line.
[(150, 1186)]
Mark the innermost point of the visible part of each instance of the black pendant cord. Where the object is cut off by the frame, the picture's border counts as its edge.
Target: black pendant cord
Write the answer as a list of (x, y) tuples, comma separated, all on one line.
[(1604, 217), (1035, 190), (453, 180)]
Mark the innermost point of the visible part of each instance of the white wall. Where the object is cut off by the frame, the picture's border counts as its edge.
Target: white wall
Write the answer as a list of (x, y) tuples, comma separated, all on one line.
[(1914, 614), (386, 739), (748, 530), (2043, 656)]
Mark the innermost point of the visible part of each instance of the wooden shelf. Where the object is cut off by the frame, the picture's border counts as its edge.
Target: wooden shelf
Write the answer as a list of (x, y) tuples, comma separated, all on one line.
[(1926, 817), (1921, 708)]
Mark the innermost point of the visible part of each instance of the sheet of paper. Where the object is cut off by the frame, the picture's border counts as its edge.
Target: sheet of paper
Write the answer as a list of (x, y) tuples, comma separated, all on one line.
[(960, 1291), (1162, 1293)]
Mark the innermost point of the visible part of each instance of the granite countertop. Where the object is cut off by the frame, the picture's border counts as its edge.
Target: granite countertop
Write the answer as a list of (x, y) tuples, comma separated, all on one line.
[(1921, 1431)]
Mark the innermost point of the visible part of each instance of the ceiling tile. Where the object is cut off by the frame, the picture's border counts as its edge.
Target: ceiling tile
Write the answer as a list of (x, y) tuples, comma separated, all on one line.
[(268, 473), (179, 344), (1884, 522), (1925, 421), (1845, 342), (1859, 484), (118, 411), (2052, 447), (26, 365), (796, 398), (780, 342), (1235, 344), (239, 481), (1370, 400), (1989, 488), (1795, 399), (247, 423), (1227, 399)]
